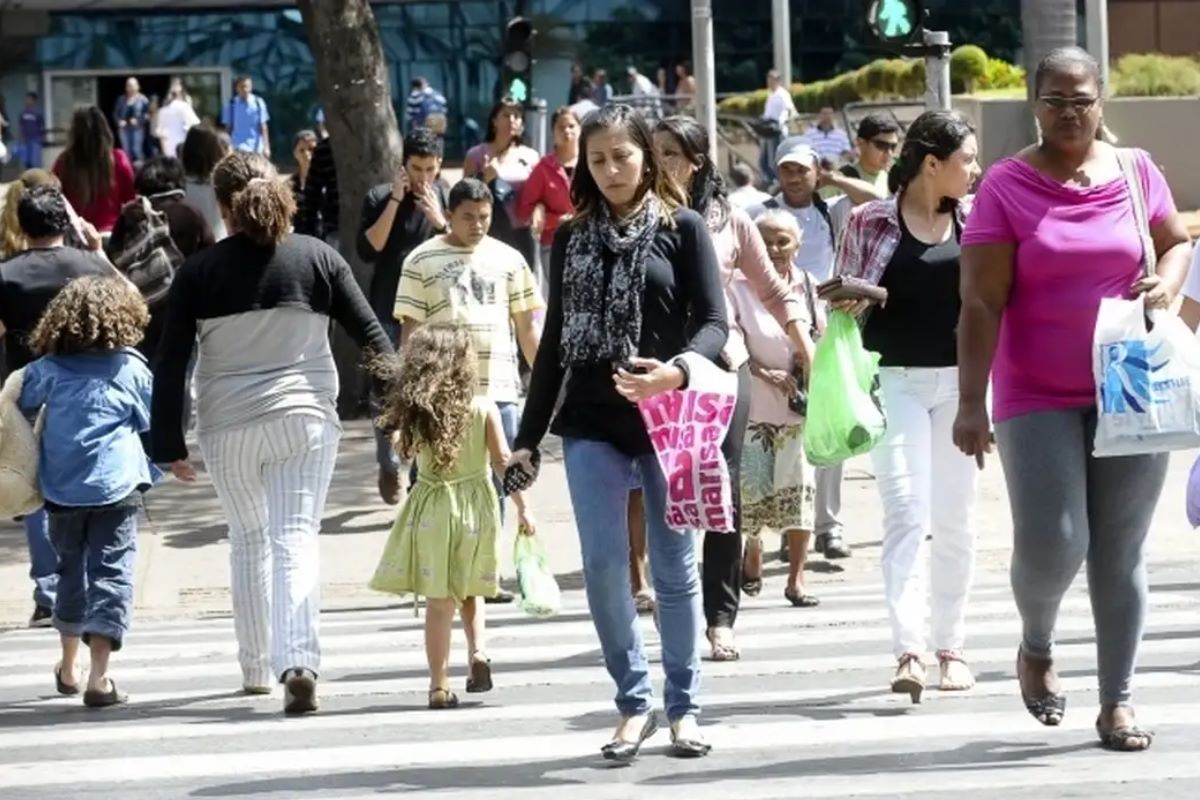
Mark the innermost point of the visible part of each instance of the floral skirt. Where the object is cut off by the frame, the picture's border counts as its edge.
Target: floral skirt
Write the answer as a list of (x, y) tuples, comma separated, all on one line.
[(778, 484)]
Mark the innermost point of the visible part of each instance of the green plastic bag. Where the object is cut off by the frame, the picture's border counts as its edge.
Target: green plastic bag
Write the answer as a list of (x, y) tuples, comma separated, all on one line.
[(540, 596), (845, 414)]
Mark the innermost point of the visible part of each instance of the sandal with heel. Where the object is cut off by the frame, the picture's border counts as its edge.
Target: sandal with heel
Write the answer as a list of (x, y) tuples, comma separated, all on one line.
[(909, 680)]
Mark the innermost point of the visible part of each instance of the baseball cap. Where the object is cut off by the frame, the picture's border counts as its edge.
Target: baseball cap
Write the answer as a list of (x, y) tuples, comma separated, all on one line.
[(795, 151)]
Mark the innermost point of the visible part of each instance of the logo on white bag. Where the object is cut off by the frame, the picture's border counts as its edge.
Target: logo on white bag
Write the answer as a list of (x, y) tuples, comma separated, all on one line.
[(1127, 371)]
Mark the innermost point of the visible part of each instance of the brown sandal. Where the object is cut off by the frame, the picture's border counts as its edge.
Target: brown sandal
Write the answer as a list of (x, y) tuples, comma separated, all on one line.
[(950, 662), (480, 678), (442, 698), (908, 679)]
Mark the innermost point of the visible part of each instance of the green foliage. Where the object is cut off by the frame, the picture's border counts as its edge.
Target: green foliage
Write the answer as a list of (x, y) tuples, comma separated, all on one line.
[(1155, 75), (1001, 75), (879, 80), (968, 65)]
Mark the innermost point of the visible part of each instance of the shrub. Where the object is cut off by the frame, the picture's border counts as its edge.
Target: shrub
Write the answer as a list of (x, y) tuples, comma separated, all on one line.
[(1155, 75), (968, 65), (1002, 75)]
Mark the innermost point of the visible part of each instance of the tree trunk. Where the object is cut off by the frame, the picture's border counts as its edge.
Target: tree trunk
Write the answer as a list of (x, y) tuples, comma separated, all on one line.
[(352, 81), (1045, 26)]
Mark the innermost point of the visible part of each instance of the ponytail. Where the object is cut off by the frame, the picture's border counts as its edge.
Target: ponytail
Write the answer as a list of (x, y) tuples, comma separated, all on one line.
[(260, 205), (935, 133)]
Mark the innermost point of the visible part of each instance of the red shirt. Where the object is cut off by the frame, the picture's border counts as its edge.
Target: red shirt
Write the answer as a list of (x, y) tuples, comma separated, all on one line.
[(105, 209), (549, 186)]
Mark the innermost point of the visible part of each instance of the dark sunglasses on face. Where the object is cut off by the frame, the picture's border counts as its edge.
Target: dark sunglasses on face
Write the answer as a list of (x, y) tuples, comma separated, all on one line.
[(1081, 104), (884, 147)]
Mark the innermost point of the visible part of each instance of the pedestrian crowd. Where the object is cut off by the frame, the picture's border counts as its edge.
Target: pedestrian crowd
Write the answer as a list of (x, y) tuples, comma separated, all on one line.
[(614, 268)]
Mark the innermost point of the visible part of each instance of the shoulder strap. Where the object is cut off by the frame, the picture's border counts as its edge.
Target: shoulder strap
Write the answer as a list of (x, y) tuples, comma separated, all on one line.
[(1128, 161), (809, 295)]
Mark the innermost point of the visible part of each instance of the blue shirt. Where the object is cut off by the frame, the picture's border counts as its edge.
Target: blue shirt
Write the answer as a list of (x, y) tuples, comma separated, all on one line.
[(244, 118), (95, 404), (421, 103), (136, 110)]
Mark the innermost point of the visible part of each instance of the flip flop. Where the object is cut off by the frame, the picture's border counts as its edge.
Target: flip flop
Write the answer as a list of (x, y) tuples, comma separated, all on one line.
[(64, 688), (113, 697), (723, 651), (752, 586), (801, 600)]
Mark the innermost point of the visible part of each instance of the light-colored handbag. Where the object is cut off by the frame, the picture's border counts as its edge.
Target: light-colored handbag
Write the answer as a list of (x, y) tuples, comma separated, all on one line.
[(19, 491)]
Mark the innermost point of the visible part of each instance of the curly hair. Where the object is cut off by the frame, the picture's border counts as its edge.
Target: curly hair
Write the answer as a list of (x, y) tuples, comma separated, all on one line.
[(430, 388), (91, 315), (262, 206)]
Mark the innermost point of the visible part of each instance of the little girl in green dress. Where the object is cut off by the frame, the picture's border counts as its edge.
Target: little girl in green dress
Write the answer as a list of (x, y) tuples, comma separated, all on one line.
[(443, 545)]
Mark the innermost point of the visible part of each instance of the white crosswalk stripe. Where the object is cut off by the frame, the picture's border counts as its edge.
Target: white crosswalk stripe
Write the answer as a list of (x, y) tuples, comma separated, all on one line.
[(806, 712)]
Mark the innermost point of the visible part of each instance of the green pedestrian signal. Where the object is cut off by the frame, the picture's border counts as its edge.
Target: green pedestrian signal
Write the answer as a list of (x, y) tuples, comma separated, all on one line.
[(518, 91), (893, 20)]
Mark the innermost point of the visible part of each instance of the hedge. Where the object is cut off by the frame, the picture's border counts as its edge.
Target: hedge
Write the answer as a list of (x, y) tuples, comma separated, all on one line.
[(1154, 75), (884, 79)]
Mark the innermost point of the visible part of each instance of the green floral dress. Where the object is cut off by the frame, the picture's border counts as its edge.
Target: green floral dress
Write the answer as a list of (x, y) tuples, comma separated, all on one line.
[(443, 544), (778, 487)]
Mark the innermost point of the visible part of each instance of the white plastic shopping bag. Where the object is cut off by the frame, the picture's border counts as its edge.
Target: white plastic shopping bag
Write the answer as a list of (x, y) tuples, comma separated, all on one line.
[(1147, 381)]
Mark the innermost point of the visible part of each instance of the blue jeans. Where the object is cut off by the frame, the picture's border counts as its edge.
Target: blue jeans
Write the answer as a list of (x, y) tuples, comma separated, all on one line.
[(133, 141), (97, 548), (43, 560), (766, 158), (30, 154), (599, 477)]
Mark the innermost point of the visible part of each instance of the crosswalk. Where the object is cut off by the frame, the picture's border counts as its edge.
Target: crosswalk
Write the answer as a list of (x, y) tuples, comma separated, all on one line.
[(805, 713)]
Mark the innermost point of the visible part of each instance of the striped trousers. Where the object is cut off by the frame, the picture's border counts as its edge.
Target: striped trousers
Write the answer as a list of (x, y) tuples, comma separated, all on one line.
[(272, 479)]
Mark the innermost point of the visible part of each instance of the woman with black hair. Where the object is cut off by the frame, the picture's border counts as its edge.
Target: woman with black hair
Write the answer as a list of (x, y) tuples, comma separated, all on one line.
[(909, 245), (1053, 233), (203, 148), (634, 284), (97, 178), (682, 145), (504, 163)]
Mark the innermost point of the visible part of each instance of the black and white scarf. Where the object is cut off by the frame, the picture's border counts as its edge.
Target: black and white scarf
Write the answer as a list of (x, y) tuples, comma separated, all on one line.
[(602, 320)]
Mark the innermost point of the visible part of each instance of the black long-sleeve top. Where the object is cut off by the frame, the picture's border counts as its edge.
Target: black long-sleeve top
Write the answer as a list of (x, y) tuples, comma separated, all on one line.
[(683, 309), (262, 314)]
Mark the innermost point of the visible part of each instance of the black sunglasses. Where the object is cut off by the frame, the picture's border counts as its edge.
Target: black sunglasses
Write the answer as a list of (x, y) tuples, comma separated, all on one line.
[(1080, 104)]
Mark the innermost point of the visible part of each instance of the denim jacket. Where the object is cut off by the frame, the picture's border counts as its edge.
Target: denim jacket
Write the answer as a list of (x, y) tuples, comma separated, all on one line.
[(95, 405)]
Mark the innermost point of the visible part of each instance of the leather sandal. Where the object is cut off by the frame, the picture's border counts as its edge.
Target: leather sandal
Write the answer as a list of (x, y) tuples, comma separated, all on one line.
[(625, 751), (480, 678), (956, 675), (1118, 739), (64, 688), (94, 698), (908, 679), (442, 698), (1048, 708)]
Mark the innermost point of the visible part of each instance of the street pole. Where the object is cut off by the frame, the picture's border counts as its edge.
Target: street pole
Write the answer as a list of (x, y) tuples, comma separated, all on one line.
[(705, 71), (781, 29), (1097, 34), (937, 70), (539, 125)]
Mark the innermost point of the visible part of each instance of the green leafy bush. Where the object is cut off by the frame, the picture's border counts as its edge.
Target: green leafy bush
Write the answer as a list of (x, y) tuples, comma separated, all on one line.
[(884, 79), (968, 65), (1155, 75)]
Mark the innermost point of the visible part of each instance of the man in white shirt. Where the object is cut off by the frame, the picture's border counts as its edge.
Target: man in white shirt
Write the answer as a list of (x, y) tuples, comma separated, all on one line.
[(745, 194), (645, 93), (777, 113), (831, 143)]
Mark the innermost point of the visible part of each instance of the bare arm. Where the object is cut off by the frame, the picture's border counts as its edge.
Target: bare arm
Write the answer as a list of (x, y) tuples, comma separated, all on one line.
[(858, 190), (408, 326), (499, 453), (1174, 249), (987, 276), (529, 335)]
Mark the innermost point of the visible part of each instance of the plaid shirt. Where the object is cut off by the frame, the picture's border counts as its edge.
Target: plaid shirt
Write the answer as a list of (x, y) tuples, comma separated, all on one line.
[(872, 235)]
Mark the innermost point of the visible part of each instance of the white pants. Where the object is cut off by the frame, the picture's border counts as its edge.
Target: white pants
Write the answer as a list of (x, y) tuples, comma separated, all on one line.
[(928, 487), (272, 479)]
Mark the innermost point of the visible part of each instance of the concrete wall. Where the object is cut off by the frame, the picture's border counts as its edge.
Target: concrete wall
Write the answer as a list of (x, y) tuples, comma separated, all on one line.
[(1164, 127)]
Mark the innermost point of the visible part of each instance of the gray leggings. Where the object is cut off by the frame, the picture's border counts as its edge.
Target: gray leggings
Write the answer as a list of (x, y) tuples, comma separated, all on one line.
[(1068, 506)]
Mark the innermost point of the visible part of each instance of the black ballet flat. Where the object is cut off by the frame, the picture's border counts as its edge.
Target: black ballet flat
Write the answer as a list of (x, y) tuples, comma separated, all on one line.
[(626, 751)]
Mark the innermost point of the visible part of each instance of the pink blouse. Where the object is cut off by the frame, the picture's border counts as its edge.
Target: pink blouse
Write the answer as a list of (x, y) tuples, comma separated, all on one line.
[(742, 253)]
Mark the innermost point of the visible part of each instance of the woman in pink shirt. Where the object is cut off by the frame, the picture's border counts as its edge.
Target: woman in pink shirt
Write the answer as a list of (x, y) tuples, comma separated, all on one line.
[(97, 179), (682, 145), (1052, 232)]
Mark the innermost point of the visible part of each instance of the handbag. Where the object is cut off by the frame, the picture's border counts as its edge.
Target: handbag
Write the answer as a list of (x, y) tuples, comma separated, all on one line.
[(845, 287)]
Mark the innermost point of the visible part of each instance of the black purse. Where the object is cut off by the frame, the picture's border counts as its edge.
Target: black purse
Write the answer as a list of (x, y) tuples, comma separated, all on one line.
[(798, 402)]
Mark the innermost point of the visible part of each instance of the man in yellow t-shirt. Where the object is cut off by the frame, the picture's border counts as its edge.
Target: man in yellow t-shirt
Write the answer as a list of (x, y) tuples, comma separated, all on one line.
[(464, 276)]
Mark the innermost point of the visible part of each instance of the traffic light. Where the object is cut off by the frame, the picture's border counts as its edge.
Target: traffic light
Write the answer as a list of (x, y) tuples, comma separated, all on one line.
[(516, 64), (894, 21)]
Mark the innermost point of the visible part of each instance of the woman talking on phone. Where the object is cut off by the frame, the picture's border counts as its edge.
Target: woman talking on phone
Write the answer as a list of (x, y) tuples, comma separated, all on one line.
[(634, 283)]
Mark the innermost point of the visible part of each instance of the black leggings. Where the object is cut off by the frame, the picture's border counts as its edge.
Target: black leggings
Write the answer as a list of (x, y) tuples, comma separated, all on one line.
[(722, 573)]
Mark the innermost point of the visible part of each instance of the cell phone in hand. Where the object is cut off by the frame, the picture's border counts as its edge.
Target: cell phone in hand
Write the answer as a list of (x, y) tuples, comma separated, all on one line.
[(76, 221)]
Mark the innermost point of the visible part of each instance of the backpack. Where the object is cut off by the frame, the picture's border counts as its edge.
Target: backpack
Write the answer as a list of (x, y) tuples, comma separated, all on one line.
[(149, 257)]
